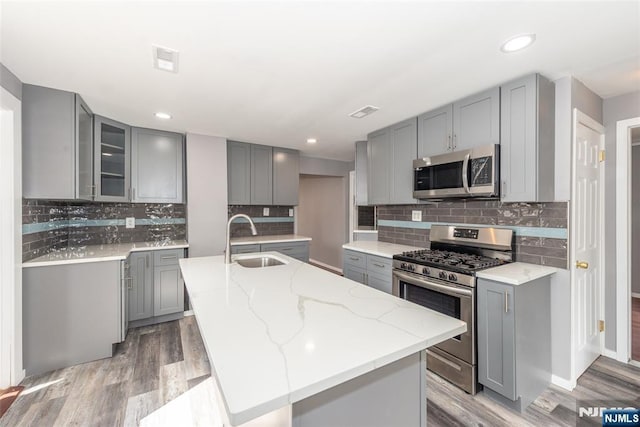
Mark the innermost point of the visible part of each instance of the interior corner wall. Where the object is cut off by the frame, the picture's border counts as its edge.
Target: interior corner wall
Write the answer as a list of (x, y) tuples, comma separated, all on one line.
[(617, 108), (321, 216), (206, 194)]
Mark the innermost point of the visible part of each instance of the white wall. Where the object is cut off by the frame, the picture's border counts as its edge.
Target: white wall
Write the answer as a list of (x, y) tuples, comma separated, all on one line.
[(614, 109), (321, 217), (206, 194)]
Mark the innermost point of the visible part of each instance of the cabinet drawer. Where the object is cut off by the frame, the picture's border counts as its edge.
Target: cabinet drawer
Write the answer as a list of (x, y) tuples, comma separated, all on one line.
[(285, 247), (244, 249), (380, 283), (167, 257), (379, 266), (356, 259)]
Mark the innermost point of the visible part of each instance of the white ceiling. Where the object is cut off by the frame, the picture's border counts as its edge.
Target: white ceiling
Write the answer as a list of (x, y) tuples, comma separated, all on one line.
[(277, 73)]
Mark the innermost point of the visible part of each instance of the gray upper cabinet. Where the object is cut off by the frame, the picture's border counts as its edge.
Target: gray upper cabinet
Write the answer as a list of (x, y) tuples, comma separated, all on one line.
[(476, 120), (57, 144), (390, 153), (435, 131), (379, 173), (527, 140), (286, 176), (239, 173), (467, 123), (157, 166), (361, 173), (403, 137), (112, 162), (261, 175)]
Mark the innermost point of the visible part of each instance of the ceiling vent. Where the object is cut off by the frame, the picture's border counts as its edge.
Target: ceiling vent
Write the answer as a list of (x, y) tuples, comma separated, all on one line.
[(165, 59), (364, 111)]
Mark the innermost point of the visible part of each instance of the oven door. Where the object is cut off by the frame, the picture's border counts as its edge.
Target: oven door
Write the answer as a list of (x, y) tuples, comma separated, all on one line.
[(446, 298)]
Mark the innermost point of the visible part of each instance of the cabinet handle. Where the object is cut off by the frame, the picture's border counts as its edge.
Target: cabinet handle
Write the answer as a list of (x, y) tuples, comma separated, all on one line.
[(129, 194), (504, 188), (449, 143), (366, 278), (454, 141), (129, 282), (169, 257), (378, 265), (506, 302), (352, 258), (133, 197)]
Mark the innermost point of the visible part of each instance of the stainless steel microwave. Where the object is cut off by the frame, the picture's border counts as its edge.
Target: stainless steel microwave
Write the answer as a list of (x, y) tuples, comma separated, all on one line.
[(464, 173)]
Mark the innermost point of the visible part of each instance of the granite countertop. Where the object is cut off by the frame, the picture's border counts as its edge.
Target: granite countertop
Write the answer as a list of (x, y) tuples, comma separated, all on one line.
[(383, 249), (95, 253), (277, 238), (516, 273), (280, 334)]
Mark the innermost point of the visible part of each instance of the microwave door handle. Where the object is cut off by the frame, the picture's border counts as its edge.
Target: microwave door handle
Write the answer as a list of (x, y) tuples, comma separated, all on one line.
[(465, 173)]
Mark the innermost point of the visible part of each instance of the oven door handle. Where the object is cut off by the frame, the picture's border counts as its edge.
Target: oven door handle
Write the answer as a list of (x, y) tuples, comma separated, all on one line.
[(450, 290)]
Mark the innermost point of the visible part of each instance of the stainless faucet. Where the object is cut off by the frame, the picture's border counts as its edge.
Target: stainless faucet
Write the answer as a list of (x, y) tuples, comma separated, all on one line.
[(227, 253)]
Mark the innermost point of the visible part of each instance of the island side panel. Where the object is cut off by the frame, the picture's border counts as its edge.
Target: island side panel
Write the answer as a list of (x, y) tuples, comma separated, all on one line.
[(394, 394)]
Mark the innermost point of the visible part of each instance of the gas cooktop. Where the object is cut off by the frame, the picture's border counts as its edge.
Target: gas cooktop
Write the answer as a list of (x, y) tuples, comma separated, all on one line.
[(449, 260)]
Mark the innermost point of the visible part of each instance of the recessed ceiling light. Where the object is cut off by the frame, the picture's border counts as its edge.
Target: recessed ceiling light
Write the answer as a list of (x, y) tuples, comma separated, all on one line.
[(311, 141), (165, 59), (364, 111), (164, 116), (518, 42)]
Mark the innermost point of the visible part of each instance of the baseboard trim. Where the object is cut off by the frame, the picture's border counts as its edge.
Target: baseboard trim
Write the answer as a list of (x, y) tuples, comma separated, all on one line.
[(611, 354), (188, 313), (325, 266), (564, 383), (634, 363)]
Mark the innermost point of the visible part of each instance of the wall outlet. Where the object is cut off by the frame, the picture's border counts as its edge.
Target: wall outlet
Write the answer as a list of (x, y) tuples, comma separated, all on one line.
[(416, 215), (130, 222), (290, 212), (265, 211)]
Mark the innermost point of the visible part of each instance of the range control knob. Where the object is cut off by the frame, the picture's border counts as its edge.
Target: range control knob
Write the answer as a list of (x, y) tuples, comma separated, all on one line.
[(453, 277), (426, 271), (442, 275), (411, 267), (403, 265)]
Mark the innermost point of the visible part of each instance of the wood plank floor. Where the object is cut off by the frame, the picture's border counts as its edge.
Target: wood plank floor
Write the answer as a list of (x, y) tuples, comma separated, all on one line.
[(635, 329), (161, 372)]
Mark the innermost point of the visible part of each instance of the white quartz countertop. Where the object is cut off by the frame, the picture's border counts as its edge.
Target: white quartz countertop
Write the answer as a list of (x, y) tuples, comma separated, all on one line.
[(516, 273), (383, 249), (279, 334), (95, 253), (278, 238)]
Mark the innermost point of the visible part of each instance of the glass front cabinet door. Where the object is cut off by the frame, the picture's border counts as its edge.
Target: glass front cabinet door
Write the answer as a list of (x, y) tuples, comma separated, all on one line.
[(112, 160)]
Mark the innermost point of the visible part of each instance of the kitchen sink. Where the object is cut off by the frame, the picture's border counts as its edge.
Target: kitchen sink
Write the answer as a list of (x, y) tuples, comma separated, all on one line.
[(258, 261)]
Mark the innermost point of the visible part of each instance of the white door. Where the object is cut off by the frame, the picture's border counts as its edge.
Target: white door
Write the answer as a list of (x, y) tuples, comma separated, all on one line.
[(586, 258)]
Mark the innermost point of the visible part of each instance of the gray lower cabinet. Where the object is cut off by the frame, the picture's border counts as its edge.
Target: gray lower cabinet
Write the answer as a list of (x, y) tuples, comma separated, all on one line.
[(370, 270), (390, 153), (296, 249), (514, 340), (527, 141), (157, 159), (156, 286), (72, 313), (57, 145), (141, 285), (286, 176)]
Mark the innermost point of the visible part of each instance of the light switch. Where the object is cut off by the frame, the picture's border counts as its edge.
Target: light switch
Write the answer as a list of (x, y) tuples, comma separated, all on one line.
[(130, 222), (416, 215), (265, 211), (290, 212)]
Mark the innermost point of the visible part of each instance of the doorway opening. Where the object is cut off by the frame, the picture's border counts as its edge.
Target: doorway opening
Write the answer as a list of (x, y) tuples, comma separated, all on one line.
[(635, 244)]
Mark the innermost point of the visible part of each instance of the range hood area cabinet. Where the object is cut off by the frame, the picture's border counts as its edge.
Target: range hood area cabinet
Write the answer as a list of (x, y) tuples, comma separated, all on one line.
[(390, 153), (70, 154), (527, 140), (57, 145), (262, 175), (470, 122)]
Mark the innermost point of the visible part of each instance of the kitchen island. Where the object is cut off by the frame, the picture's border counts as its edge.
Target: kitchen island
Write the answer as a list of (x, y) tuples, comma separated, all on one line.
[(333, 351)]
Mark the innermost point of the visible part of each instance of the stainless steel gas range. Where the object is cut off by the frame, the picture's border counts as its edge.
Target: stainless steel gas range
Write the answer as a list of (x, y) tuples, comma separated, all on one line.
[(442, 278)]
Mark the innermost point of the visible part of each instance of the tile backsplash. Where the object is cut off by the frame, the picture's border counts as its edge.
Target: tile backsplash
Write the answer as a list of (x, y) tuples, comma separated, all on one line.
[(277, 222), (540, 228), (51, 225)]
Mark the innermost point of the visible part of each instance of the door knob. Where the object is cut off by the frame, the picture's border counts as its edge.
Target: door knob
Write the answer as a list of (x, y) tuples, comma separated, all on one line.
[(582, 264)]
